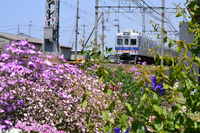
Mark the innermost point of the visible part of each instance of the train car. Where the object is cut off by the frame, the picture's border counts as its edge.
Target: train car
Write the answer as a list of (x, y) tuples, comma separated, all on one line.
[(132, 46)]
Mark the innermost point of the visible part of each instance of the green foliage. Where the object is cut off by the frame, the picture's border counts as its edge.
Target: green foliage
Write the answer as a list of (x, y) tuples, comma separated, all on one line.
[(141, 108)]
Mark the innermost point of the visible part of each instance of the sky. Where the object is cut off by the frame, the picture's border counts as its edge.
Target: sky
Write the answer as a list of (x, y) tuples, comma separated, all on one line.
[(17, 15)]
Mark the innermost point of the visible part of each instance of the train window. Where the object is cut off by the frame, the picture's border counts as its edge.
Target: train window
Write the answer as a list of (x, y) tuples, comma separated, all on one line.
[(126, 41), (126, 33), (119, 41), (133, 41)]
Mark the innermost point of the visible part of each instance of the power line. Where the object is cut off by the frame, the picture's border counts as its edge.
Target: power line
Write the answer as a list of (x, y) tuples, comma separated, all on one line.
[(153, 9)]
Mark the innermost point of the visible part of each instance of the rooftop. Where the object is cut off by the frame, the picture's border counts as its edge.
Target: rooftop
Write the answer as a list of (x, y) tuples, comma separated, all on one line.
[(22, 36)]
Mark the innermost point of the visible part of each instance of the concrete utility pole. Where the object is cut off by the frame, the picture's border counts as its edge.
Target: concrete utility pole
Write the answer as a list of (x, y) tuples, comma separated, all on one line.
[(162, 30), (96, 47), (77, 29), (51, 28), (143, 21), (103, 34), (117, 20)]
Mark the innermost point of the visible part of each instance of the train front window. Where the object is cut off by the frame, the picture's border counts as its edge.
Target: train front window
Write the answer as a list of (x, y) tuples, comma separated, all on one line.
[(126, 41), (133, 41), (119, 41)]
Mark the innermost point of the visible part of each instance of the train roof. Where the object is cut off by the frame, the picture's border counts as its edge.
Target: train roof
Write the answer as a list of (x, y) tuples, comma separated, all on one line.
[(128, 33)]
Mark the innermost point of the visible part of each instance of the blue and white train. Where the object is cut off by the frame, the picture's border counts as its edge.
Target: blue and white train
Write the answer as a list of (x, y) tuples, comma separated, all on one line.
[(134, 46)]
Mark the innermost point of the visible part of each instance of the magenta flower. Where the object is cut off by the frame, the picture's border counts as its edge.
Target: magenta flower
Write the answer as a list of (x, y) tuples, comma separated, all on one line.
[(45, 95)]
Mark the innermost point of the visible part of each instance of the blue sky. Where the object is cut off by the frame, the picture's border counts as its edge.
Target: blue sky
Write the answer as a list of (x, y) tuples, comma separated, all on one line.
[(20, 13)]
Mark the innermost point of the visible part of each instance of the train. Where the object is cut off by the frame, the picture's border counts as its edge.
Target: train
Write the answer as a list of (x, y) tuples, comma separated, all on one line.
[(132, 46)]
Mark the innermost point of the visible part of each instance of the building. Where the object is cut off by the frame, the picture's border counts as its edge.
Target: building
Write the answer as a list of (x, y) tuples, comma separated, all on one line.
[(6, 38)]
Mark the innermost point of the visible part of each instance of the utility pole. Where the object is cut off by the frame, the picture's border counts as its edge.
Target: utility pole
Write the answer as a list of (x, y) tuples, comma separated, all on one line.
[(162, 30), (103, 34), (143, 21), (83, 36), (118, 26), (77, 31), (29, 28), (18, 29), (51, 28), (96, 25), (117, 20)]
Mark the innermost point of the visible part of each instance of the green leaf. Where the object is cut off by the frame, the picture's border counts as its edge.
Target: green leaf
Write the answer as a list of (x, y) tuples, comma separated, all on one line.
[(196, 7), (180, 99), (144, 97), (159, 126), (130, 109), (84, 104), (159, 110), (107, 116), (109, 92), (123, 120)]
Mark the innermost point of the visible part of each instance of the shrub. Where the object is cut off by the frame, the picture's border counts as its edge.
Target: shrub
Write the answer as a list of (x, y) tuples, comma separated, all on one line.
[(36, 89)]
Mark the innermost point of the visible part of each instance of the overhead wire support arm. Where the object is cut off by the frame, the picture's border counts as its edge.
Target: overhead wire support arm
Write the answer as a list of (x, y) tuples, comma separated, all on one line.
[(133, 7), (98, 20)]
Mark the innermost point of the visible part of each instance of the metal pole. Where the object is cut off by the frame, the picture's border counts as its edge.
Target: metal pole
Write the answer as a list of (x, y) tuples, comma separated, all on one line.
[(84, 27), (77, 32), (96, 24), (118, 26), (162, 30), (93, 30), (29, 28), (18, 29)]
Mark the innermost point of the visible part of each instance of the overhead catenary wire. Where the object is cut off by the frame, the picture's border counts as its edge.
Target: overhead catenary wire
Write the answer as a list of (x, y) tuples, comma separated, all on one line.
[(155, 11)]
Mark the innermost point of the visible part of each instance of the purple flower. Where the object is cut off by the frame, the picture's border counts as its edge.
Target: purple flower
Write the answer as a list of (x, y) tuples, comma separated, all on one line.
[(1, 88), (127, 131), (144, 63), (31, 64), (7, 122), (117, 130), (153, 81), (48, 88), (2, 127), (2, 111), (134, 69), (158, 88), (20, 102), (4, 57)]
